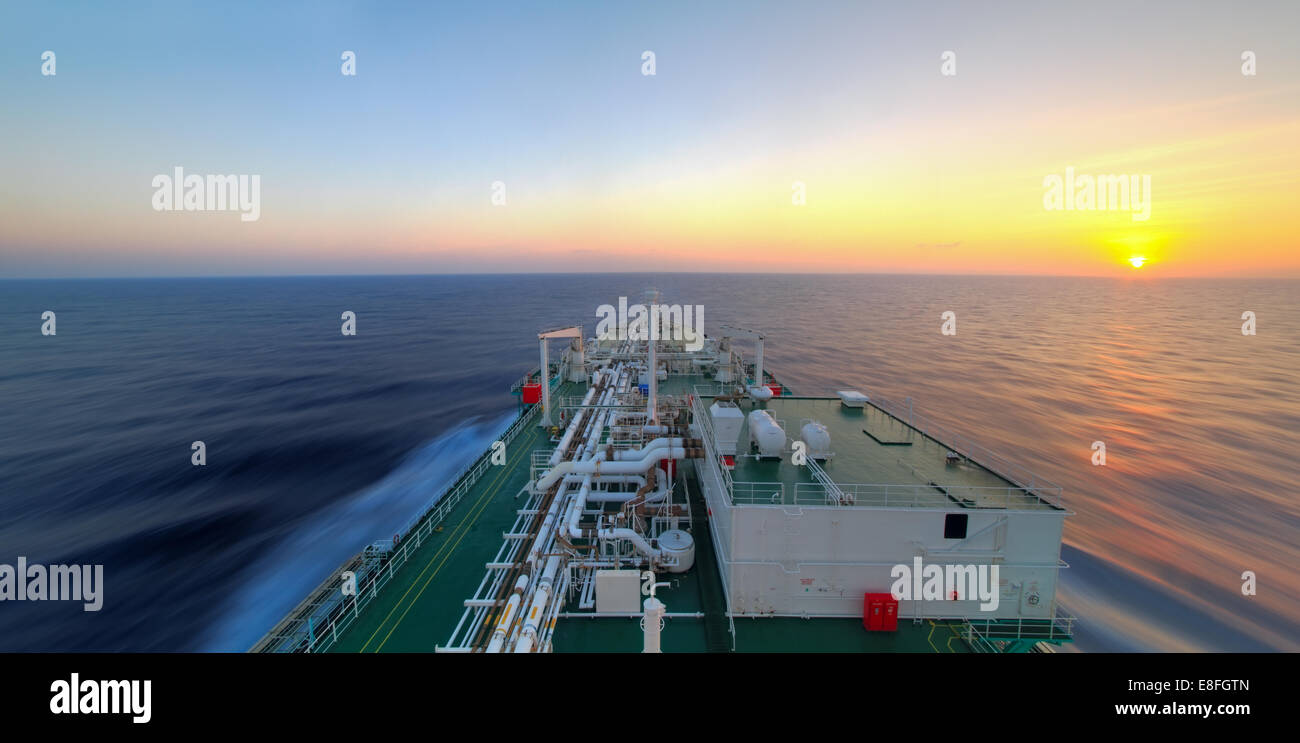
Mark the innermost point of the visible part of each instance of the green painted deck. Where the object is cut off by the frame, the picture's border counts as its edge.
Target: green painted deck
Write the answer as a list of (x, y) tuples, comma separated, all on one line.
[(871, 446), (755, 635), (419, 608)]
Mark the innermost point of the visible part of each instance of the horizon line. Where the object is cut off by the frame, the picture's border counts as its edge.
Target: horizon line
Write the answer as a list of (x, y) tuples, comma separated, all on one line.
[(1134, 276)]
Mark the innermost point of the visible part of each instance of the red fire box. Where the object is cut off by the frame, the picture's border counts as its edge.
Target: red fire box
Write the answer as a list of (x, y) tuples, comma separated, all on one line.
[(880, 612), (889, 622), (532, 393), (872, 612)]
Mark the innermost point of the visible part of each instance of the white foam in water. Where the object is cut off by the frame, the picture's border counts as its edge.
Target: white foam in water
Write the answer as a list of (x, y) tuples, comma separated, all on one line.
[(299, 564)]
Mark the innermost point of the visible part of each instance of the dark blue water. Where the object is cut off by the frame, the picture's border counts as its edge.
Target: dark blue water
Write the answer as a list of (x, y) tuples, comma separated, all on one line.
[(318, 444)]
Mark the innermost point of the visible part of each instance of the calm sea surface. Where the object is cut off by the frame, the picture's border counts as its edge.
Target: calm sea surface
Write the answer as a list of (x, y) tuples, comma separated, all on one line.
[(318, 444)]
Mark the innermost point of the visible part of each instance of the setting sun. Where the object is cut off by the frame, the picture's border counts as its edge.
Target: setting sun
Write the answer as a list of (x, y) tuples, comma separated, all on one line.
[(1137, 261)]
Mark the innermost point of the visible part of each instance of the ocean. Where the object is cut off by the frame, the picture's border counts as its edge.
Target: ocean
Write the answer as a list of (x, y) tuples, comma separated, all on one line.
[(318, 444)]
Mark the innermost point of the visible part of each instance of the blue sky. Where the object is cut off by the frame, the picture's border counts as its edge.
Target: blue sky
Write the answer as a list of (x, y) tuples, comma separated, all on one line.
[(544, 96)]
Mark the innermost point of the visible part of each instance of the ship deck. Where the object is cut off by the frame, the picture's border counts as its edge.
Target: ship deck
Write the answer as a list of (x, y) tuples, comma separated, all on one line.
[(419, 608), (878, 458), (421, 605)]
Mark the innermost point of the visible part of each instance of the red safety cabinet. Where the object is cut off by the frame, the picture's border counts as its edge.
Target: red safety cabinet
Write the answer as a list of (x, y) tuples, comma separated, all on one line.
[(880, 612)]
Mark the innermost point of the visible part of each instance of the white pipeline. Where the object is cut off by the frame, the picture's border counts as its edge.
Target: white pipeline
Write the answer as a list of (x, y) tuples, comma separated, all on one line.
[(507, 617), (657, 444), (597, 467), (570, 430), (536, 587), (636, 539), (528, 635), (660, 492)]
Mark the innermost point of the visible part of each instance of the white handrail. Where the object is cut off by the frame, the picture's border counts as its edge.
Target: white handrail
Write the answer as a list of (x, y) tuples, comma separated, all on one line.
[(342, 612)]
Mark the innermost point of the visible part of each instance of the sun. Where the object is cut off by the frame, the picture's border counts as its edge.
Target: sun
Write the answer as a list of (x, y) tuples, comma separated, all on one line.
[(1137, 261)]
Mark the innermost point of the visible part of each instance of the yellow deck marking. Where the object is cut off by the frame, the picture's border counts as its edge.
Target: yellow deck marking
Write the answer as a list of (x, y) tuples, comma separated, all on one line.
[(490, 491), (432, 575), (441, 547), (484, 500), (927, 637), (955, 636)]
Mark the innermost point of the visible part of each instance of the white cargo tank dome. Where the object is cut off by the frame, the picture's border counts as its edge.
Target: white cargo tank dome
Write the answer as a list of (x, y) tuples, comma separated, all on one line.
[(766, 433), (817, 439), (679, 545)]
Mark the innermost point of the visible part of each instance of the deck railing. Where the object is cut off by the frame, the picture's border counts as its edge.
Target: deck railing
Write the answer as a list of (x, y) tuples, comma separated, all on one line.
[(883, 495), (1021, 476), (758, 493), (916, 495), (714, 466), (458, 479), (1025, 484), (984, 635), (713, 389), (574, 402), (315, 625), (557, 378)]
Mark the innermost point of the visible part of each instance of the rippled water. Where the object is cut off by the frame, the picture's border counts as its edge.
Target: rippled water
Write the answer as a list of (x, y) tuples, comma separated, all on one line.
[(318, 444)]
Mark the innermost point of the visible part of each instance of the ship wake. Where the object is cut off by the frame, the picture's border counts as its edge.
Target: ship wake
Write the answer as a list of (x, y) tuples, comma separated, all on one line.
[(302, 559)]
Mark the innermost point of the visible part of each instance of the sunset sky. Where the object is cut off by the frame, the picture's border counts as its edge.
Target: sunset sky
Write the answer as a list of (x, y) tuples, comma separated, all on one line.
[(606, 169)]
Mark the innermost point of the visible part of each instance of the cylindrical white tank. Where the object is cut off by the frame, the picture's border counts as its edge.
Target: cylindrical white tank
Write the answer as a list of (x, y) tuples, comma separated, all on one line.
[(817, 439), (652, 624), (766, 433), (680, 545)]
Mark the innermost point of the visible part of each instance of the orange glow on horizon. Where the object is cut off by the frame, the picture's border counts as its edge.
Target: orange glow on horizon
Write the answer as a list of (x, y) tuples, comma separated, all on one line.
[(910, 199)]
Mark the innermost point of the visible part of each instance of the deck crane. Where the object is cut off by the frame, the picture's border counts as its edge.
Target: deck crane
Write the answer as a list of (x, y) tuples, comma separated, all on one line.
[(758, 390), (572, 331)]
